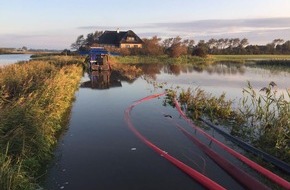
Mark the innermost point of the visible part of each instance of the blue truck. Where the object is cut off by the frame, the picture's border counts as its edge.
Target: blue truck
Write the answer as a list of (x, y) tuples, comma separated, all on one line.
[(98, 59)]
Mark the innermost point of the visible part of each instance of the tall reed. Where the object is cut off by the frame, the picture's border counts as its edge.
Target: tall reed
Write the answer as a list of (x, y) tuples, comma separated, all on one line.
[(262, 118), (35, 101)]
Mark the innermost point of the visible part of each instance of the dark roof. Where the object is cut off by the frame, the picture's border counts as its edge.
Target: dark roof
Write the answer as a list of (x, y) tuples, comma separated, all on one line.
[(115, 37)]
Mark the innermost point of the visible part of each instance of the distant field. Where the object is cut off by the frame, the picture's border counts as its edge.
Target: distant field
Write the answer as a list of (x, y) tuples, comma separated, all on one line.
[(243, 58), (198, 60)]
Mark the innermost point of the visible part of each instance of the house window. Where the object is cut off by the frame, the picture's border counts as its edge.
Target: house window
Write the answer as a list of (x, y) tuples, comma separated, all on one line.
[(127, 46), (130, 39), (135, 46)]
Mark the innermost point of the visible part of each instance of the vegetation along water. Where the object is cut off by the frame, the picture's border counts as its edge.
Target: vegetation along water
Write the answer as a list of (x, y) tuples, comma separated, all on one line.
[(36, 98), (35, 101)]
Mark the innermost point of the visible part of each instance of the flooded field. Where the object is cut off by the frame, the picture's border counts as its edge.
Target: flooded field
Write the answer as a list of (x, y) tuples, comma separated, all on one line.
[(7, 59), (99, 151)]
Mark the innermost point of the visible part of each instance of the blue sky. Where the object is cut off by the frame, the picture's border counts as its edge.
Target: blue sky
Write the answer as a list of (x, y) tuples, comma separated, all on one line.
[(55, 24)]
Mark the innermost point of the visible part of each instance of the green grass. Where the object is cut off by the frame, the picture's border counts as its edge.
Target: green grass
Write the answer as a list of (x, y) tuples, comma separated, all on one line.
[(247, 58), (159, 59), (35, 99), (199, 60)]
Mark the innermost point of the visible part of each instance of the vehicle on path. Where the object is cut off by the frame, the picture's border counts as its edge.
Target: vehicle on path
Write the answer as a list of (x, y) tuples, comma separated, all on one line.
[(98, 59)]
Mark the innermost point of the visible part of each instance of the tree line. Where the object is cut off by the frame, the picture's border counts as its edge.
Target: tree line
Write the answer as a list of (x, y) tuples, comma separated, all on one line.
[(175, 47)]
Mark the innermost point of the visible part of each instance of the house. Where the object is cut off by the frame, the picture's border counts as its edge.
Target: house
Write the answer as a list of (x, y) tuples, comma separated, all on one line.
[(120, 39)]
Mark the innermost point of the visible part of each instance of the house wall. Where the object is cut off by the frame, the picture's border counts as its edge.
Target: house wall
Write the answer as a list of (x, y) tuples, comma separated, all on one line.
[(127, 45)]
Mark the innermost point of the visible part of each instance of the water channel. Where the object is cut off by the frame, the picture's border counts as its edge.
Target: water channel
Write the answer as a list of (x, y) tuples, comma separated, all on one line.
[(98, 151)]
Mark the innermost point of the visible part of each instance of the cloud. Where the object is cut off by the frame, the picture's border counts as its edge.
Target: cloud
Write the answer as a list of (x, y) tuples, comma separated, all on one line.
[(257, 30)]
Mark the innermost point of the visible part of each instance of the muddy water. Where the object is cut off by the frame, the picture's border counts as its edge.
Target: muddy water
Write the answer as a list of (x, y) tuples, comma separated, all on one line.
[(98, 151)]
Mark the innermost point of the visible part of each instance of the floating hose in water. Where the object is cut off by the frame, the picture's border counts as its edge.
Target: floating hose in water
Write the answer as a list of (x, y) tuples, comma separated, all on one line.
[(203, 180), (242, 177), (271, 176), (267, 157)]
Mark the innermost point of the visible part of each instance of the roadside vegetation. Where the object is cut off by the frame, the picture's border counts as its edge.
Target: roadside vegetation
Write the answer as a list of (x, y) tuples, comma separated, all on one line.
[(35, 102), (261, 119)]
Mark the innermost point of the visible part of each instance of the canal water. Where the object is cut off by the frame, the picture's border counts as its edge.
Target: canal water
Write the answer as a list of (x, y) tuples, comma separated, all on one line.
[(7, 59), (99, 151)]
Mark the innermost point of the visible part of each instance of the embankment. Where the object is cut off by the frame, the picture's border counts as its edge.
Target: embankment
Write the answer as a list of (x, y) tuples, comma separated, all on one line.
[(35, 102)]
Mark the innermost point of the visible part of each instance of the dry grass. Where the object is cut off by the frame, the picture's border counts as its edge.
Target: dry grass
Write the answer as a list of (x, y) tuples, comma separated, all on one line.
[(35, 101)]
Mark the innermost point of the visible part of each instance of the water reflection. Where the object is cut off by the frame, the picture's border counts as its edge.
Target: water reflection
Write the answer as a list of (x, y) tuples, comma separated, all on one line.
[(151, 70), (102, 80)]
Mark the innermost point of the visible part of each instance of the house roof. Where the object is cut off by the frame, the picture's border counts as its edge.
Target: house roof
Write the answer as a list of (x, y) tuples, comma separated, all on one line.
[(115, 37)]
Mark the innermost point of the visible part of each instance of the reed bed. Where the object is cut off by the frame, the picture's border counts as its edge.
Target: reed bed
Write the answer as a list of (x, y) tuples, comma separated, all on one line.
[(35, 101), (261, 119)]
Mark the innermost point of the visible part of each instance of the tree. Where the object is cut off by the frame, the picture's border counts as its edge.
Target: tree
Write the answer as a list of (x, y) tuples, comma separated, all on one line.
[(286, 47), (152, 46), (167, 43), (97, 34), (236, 42), (177, 48), (80, 41), (24, 48), (277, 42), (189, 44), (201, 49), (244, 42), (90, 40)]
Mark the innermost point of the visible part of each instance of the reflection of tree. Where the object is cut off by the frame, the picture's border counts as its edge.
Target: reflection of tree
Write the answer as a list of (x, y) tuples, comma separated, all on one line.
[(184, 69), (198, 68), (225, 69), (174, 69), (151, 70), (126, 72)]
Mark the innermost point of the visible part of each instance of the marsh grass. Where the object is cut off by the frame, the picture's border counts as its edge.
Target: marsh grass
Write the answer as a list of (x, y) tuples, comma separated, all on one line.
[(262, 118), (266, 116), (35, 100)]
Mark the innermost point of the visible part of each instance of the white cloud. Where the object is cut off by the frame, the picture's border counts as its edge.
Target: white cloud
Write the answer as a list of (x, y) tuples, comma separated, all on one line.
[(258, 30)]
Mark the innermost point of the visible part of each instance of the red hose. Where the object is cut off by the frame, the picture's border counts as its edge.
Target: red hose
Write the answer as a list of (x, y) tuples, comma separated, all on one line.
[(203, 180), (245, 179), (273, 177)]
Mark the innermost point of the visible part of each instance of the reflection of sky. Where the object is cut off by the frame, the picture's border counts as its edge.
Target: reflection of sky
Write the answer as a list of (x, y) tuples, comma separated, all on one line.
[(13, 58), (231, 83)]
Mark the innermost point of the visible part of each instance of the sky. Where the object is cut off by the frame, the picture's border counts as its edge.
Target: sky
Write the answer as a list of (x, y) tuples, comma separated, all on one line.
[(55, 24)]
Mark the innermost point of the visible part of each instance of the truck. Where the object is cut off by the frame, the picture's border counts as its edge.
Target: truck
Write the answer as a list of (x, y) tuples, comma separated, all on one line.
[(98, 59)]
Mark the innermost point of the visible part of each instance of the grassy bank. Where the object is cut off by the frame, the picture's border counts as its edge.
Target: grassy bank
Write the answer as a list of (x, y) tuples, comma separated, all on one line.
[(199, 60), (35, 101)]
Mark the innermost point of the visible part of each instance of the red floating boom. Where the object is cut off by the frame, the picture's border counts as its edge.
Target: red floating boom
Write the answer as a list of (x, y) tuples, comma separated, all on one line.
[(203, 180), (271, 176)]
